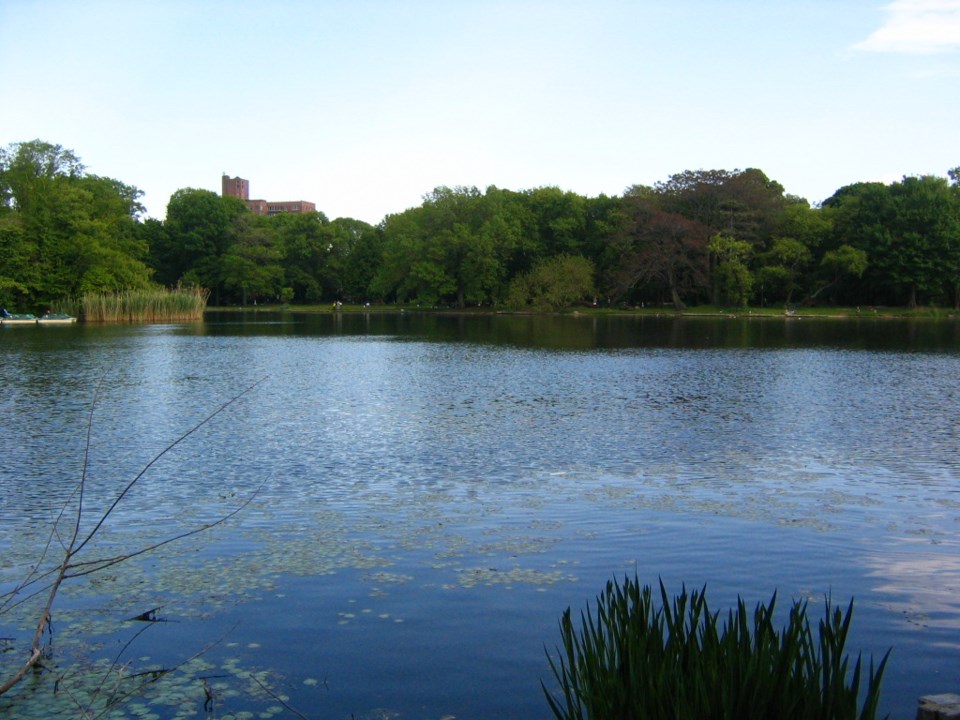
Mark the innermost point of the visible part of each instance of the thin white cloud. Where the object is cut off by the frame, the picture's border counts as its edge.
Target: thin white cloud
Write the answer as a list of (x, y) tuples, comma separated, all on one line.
[(917, 26)]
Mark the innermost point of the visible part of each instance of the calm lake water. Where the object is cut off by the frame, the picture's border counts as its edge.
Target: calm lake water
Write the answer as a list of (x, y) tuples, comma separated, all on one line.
[(427, 495)]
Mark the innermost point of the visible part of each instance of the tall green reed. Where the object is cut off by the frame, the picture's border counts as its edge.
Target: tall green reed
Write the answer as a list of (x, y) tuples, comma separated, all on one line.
[(146, 305), (633, 659)]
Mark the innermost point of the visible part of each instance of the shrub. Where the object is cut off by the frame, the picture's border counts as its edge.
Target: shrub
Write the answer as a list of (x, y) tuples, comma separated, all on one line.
[(630, 659)]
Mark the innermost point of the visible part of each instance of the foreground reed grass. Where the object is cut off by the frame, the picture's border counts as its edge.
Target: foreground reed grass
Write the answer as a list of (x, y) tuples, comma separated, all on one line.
[(146, 306), (631, 659)]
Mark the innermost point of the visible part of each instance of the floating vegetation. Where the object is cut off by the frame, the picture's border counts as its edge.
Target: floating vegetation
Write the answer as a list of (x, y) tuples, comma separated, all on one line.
[(104, 688), (385, 578), (471, 577)]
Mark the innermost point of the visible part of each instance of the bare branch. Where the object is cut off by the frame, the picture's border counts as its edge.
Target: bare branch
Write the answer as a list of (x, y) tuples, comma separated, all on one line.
[(116, 660), (32, 578), (37, 647), (67, 569), (91, 566), (155, 460), (86, 466), (155, 675), (276, 697)]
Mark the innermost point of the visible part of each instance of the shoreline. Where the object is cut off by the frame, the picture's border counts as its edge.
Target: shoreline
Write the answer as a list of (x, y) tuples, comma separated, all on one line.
[(826, 313)]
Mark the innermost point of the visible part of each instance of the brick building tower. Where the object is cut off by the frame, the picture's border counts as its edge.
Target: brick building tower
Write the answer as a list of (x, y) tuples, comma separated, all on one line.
[(239, 188)]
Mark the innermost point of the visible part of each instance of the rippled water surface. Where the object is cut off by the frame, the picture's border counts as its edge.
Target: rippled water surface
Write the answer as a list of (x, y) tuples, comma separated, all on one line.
[(427, 494)]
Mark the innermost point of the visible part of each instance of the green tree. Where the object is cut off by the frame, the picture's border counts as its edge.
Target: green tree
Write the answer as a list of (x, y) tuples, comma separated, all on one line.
[(62, 232), (811, 226), (446, 250), (559, 221), (305, 244), (605, 219), (910, 232), (199, 231), (111, 253), (838, 265), (399, 233), (463, 261), (362, 265), (251, 264), (39, 196), (553, 284), (928, 236), (429, 282), (782, 268), (862, 217), (732, 277), (19, 272), (478, 269), (153, 233), (342, 272), (29, 169), (505, 221)]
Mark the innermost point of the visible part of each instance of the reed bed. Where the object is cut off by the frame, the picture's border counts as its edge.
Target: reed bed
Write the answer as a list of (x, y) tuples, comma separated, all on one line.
[(631, 659), (146, 306)]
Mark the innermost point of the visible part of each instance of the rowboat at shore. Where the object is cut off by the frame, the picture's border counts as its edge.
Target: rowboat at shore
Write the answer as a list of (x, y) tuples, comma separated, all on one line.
[(28, 319), (56, 319), (19, 320)]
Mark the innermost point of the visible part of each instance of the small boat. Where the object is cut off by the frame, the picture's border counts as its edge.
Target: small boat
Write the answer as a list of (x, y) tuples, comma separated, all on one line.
[(23, 319), (56, 319)]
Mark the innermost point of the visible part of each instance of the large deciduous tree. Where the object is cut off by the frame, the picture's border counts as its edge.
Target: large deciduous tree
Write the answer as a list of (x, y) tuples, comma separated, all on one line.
[(733, 281), (305, 244), (199, 231), (836, 266), (781, 270), (660, 252), (63, 232), (743, 203), (451, 249), (362, 264), (29, 169), (928, 230), (251, 264), (348, 273), (910, 233), (559, 221), (552, 284)]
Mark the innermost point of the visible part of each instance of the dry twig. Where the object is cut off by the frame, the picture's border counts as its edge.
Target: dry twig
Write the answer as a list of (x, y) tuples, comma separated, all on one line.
[(36, 583)]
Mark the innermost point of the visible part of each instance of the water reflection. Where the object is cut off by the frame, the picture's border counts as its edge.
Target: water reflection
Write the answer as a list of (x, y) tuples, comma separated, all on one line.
[(923, 585), (573, 332)]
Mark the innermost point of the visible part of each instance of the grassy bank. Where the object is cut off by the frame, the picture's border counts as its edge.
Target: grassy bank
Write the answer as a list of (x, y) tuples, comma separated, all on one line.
[(145, 306), (694, 311)]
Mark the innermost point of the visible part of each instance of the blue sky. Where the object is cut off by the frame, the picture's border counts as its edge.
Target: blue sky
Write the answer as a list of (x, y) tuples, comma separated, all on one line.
[(363, 106)]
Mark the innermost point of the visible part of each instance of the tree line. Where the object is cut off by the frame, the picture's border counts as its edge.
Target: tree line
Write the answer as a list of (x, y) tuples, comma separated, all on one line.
[(722, 237)]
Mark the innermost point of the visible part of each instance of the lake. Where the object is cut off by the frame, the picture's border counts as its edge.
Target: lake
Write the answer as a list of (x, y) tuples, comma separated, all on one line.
[(424, 495)]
